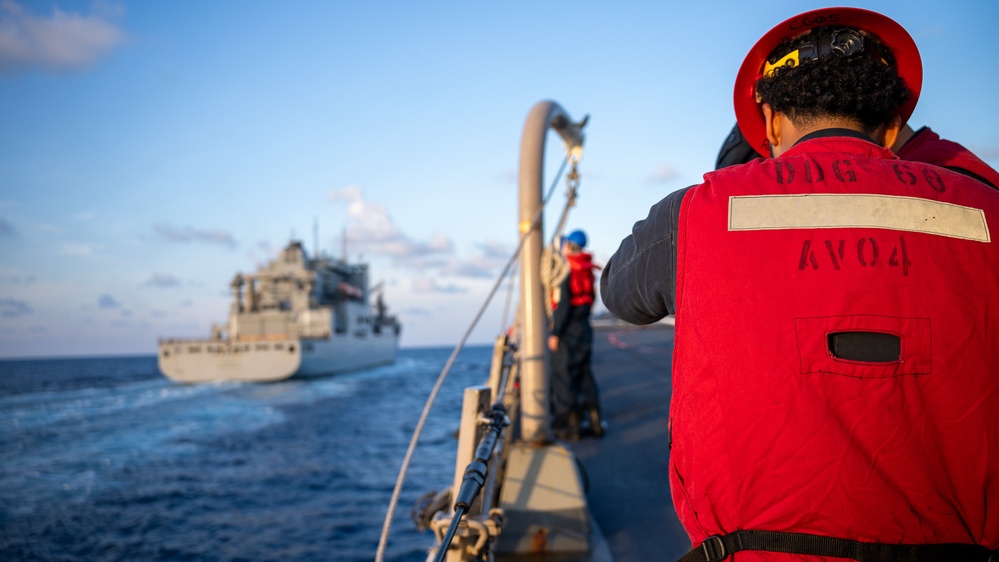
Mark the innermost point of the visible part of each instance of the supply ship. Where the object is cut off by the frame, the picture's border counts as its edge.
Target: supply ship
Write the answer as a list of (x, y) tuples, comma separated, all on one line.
[(296, 317)]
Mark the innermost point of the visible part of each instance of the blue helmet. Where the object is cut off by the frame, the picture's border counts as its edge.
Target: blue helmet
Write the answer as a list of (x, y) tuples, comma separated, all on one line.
[(577, 237)]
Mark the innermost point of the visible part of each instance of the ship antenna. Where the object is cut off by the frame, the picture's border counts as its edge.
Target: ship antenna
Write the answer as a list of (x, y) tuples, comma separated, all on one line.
[(315, 236), (343, 244)]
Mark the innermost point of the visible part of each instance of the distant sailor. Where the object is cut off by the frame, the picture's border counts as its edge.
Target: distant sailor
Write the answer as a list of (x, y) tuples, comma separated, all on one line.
[(925, 145), (575, 397), (835, 387)]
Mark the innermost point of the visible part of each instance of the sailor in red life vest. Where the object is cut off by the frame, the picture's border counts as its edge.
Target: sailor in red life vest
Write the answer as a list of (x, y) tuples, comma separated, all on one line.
[(835, 382), (926, 146), (575, 397)]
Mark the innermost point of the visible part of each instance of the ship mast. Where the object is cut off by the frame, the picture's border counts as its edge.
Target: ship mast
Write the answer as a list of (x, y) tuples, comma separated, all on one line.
[(315, 237), (343, 245)]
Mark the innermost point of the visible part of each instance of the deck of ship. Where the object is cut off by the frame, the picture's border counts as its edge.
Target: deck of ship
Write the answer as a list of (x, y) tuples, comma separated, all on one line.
[(627, 468)]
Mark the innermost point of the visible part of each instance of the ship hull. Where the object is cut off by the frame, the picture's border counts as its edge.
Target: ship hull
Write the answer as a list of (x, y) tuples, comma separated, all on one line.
[(200, 361)]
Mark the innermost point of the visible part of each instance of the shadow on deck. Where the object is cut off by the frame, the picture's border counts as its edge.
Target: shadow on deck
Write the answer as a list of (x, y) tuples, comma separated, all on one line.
[(627, 469)]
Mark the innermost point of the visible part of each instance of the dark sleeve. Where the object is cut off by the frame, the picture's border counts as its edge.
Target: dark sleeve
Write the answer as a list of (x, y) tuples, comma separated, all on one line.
[(735, 150), (560, 316), (638, 284)]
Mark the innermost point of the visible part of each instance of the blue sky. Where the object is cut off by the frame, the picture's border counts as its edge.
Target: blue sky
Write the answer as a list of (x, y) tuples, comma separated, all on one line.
[(150, 150)]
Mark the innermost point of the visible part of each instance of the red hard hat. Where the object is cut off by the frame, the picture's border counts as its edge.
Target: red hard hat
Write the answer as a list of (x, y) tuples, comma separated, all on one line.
[(910, 66)]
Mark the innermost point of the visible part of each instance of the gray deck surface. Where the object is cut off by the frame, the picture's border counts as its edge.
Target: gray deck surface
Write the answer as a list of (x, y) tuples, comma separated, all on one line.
[(627, 468)]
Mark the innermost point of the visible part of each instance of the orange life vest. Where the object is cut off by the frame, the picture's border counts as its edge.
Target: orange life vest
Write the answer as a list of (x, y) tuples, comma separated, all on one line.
[(580, 278)]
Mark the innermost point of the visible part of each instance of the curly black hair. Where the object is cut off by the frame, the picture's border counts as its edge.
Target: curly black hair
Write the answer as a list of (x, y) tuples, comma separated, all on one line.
[(859, 87)]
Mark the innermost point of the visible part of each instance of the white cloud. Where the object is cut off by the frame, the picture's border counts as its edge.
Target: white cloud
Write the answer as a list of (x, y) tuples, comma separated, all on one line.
[(107, 301), (429, 285), (664, 174), (188, 234), (20, 280), (509, 177), (61, 40), (372, 231), (475, 266), (163, 280), (488, 263), (13, 308), (495, 250), (350, 194)]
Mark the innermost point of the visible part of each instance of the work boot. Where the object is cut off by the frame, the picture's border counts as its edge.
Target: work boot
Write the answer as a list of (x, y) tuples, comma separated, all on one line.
[(597, 425), (573, 423), (566, 428)]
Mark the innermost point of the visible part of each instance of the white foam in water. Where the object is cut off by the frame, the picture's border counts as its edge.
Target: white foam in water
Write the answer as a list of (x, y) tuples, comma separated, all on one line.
[(129, 466), (140, 420), (27, 411)]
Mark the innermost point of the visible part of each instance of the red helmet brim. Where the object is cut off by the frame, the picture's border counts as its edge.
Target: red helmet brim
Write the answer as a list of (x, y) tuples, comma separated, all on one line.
[(910, 67)]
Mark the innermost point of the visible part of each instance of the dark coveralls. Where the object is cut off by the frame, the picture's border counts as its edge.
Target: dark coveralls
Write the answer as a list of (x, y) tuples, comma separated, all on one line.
[(574, 390)]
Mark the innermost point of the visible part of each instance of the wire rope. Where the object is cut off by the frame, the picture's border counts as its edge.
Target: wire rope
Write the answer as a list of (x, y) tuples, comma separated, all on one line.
[(509, 297)]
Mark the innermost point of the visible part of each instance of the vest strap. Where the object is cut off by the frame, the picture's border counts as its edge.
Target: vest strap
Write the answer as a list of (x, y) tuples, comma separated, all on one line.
[(718, 547)]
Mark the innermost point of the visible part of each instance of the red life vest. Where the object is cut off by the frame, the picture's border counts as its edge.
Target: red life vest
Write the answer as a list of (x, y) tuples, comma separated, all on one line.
[(580, 278), (769, 430), (927, 146)]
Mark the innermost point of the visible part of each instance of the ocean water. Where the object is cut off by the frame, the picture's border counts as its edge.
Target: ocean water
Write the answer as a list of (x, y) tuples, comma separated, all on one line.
[(105, 459)]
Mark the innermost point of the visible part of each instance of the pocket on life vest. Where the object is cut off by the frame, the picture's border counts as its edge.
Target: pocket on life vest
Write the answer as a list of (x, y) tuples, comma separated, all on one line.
[(864, 346)]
